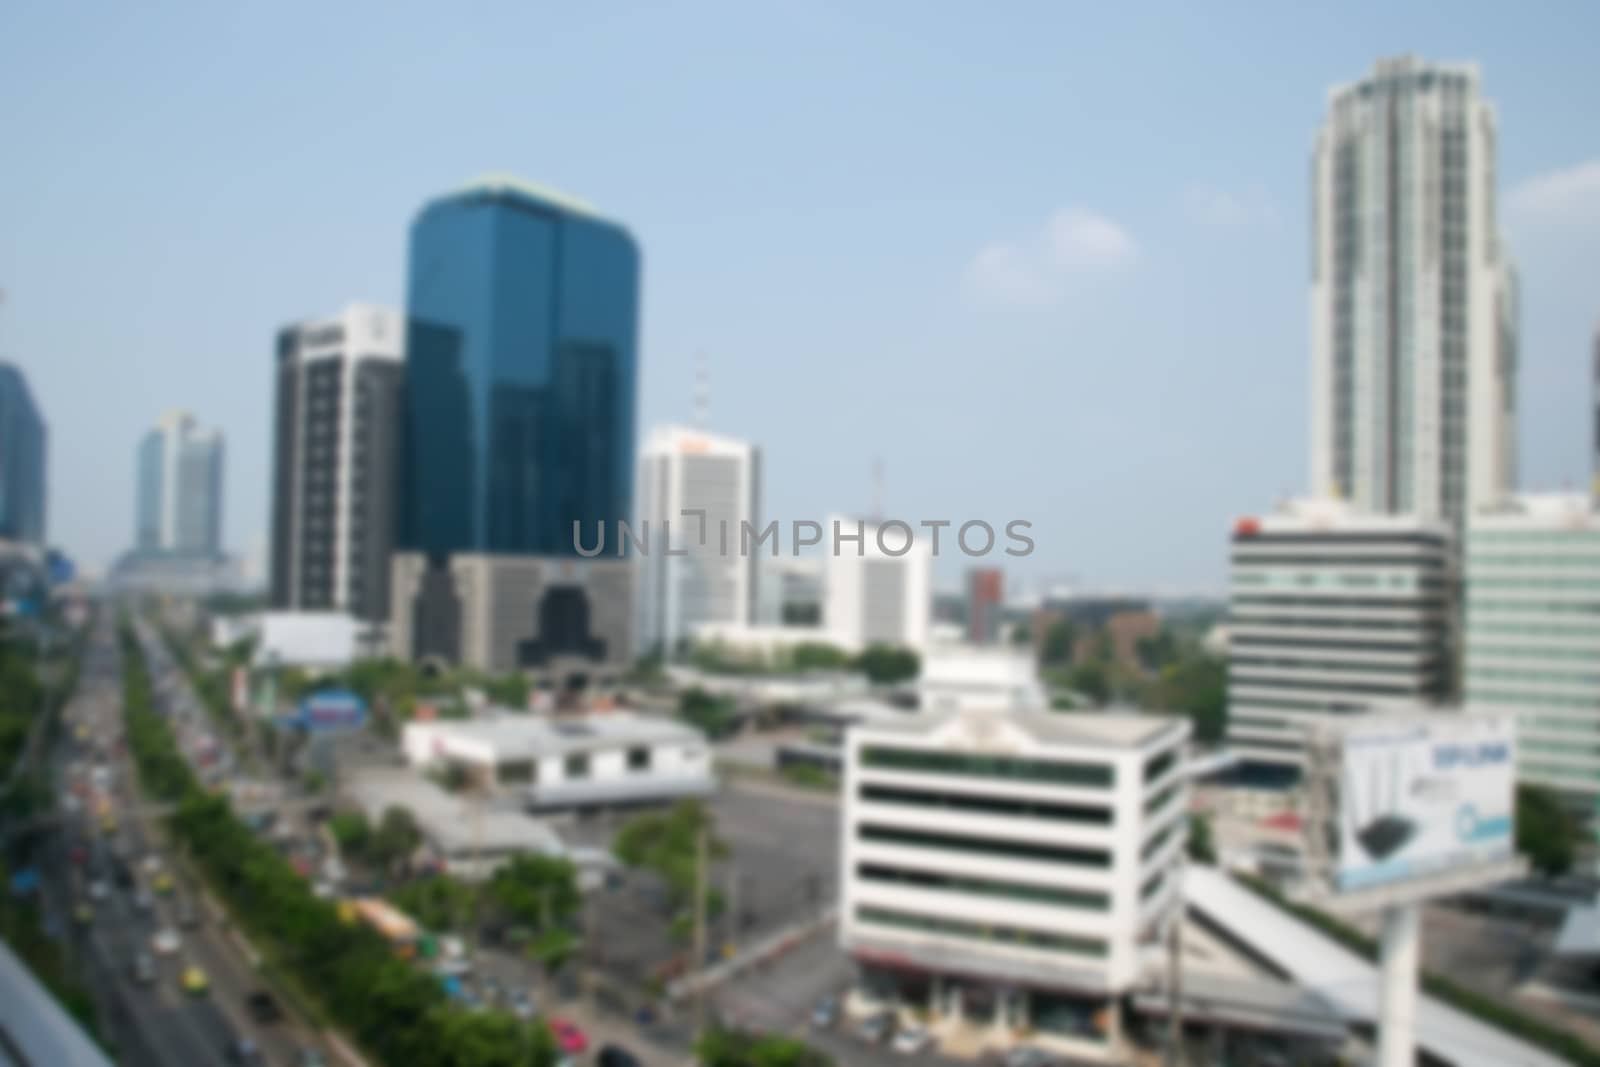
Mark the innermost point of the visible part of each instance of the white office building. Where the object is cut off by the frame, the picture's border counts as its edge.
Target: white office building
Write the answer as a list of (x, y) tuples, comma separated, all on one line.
[(179, 494), (599, 760), (1332, 612), (878, 584), (789, 591), (1413, 297), (713, 579), (1532, 638), (962, 677), (335, 462), (1007, 873)]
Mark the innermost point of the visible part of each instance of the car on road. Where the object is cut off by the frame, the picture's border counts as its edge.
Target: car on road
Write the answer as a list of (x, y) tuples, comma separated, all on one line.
[(83, 914), (142, 900), (263, 1007), (826, 1013), (165, 942), (912, 1040), (194, 980), (243, 1051), (569, 1037), (188, 917), (616, 1056), (309, 1057), (876, 1028), (522, 1005), (98, 890), (162, 883), (143, 968)]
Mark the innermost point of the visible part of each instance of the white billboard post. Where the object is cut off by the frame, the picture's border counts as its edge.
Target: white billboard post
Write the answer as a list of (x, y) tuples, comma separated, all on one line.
[(1401, 809)]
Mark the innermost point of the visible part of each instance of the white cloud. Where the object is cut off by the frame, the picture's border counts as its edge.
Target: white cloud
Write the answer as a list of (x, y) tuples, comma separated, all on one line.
[(1210, 206), (1035, 270), (1562, 198)]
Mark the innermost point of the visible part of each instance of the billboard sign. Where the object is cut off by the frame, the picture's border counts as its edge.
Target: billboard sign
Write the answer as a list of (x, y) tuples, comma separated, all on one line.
[(1424, 795), (330, 711)]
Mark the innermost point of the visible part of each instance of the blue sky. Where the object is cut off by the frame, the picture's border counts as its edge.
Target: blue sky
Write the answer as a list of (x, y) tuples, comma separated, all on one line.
[(845, 207)]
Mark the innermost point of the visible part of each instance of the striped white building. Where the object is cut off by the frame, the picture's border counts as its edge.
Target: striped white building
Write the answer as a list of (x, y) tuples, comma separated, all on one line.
[(1003, 871), (1332, 612), (1532, 638)]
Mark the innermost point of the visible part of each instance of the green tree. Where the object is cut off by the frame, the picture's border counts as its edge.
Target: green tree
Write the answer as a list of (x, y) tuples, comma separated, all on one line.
[(718, 1047), (887, 665), (1195, 686), (1202, 845), (395, 838), (712, 715), (1021, 634), (1093, 680), (351, 831), (665, 843), (1060, 639), (818, 656), (1547, 832)]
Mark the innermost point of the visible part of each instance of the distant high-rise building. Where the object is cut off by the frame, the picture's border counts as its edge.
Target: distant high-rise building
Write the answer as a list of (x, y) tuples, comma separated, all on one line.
[(687, 470), (878, 589), (985, 603), (1332, 613), (1595, 430), (178, 506), (521, 364), (1413, 297), (335, 453), (23, 443), (1531, 647)]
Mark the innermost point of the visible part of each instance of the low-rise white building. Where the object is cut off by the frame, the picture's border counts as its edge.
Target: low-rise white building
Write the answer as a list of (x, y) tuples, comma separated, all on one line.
[(963, 677), (1006, 872), (878, 585), (598, 760)]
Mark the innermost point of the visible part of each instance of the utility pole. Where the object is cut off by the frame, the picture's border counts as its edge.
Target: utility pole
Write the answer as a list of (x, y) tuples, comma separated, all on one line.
[(701, 848), (734, 929)]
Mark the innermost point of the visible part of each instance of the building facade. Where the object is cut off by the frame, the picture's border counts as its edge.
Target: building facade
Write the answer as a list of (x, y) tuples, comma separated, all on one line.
[(1332, 612), (1413, 297), (1004, 872), (179, 487), (985, 604), (713, 581), (789, 591), (879, 582), (518, 421), (335, 453), (1532, 636), (564, 619), (24, 442), (579, 762)]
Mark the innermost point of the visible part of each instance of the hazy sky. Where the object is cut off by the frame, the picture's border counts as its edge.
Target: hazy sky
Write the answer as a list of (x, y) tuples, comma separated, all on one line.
[(1046, 261)]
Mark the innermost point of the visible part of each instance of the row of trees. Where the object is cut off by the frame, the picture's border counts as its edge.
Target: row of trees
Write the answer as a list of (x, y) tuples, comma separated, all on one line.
[(397, 1012), (882, 664)]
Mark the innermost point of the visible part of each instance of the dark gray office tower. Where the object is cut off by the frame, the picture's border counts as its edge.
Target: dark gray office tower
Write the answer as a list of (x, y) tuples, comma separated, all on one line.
[(22, 456), (335, 448)]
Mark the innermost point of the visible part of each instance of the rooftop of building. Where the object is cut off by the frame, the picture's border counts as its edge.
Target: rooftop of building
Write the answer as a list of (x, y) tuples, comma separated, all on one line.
[(451, 822), (1566, 508), (692, 440), (1102, 729), (1333, 516), (513, 733)]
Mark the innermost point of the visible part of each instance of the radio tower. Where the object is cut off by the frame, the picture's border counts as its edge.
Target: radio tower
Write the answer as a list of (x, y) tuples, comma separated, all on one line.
[(702, 393)]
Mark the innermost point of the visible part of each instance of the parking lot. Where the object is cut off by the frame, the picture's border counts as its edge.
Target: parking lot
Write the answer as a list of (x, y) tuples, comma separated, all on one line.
[(782, 870)]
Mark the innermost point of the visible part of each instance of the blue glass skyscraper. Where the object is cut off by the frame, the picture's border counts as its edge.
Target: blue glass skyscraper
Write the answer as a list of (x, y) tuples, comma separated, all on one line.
[(23, 440), (521, 366)]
